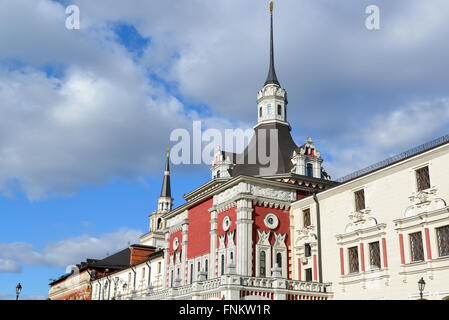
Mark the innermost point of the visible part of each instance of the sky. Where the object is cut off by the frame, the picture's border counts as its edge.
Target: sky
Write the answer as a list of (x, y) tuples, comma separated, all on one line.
[(86, 114)]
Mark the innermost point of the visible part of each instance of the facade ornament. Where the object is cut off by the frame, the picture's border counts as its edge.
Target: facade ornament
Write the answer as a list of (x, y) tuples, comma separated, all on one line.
[(263, 238)]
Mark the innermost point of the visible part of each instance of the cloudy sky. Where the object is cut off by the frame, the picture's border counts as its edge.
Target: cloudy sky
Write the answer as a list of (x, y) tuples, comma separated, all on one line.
[(85, 115)]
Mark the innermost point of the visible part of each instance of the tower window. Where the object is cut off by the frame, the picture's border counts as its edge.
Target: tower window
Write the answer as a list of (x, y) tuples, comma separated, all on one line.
[(269, 110), (191, 273), (260, 111), (309, 170), (279, 109), (218, 174)]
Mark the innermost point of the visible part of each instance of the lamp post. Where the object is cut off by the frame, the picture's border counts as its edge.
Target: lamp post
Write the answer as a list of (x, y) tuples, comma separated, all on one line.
[(421, 286), (18, 289)]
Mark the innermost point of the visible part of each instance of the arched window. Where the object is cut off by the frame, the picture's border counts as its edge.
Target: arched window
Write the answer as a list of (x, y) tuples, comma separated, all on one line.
[(218, 174), (191, 273), (262, 264), (199, 266), (231, 257), (159, 223), (206, 267), (279, 109), (222, 264), (260, 111), (309, 170), (279, 259), (171, 280)]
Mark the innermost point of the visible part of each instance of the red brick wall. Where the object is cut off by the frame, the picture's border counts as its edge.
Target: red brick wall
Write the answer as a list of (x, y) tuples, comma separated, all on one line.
[(283, 227), (199, 228), (139, 254)]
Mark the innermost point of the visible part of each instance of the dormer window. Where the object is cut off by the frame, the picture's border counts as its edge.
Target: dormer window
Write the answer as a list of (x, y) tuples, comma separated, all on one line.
[(269, 109), (309, 170)]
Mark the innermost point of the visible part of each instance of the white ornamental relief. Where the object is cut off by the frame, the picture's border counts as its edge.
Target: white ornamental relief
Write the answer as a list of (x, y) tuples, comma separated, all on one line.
[(263, 238), (424, 201), (279, 240), (360, 220), (272, 193), (231, 239), (221, 240), (176, 219)]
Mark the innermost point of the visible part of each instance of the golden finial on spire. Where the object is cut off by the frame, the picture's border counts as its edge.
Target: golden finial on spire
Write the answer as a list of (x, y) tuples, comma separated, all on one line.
[(168, 150), (271, 7)]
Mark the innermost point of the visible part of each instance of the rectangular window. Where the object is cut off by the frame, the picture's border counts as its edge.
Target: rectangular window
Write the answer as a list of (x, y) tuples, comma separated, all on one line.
[(307, 250), (443, 241), (309, 275), (269, 110), (359, 200), (306, 215), (422, 178), (353, 254), (416, 246), (374, 255), (159, 267)]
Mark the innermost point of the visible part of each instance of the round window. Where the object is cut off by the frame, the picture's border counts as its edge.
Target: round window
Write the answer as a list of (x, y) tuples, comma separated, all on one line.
[(271, 221), (175, 243), (226, 223)]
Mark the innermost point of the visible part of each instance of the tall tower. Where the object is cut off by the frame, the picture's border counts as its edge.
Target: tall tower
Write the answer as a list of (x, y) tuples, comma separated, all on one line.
[(272, 99), (164, 204)]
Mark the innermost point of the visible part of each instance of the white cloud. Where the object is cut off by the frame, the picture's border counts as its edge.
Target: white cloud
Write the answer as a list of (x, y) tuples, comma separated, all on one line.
[(389, 135), (7, 265), (65, 252)]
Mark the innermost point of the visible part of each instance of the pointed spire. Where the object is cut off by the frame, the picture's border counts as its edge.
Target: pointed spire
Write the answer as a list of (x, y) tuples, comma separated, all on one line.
[(166, 192), (271, 78)]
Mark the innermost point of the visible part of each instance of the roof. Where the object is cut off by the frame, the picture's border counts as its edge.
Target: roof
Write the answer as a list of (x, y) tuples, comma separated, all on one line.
[(271, 78), (404, 155), (284, 143), (166, 190)]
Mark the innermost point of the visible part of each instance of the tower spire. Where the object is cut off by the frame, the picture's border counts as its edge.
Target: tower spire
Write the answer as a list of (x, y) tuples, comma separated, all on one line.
[(271, 78), (166, 191)]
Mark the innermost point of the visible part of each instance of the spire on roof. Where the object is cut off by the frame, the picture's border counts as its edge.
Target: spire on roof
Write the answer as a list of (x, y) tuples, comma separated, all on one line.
[(166, 192), (271, 78)]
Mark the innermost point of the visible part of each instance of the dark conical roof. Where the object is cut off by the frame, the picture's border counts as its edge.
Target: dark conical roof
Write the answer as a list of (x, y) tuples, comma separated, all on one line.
[(271, 78), (166, 191)]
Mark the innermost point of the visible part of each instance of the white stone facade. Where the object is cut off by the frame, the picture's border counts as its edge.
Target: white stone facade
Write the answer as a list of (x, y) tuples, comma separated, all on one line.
[(394, 216)]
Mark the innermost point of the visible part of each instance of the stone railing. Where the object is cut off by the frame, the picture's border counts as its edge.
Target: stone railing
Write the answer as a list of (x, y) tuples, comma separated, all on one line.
[(231, 286)]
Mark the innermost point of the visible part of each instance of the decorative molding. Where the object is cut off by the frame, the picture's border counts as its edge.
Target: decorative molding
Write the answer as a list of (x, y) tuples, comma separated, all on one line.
[(279, 241), (263, 238)]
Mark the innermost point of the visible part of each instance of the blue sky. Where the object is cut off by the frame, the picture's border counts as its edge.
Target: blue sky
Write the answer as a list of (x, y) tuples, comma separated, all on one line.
[(86, 114)]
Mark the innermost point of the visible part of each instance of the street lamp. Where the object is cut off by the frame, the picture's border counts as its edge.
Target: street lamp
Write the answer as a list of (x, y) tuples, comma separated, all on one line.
[(18, 289), (421, 285)]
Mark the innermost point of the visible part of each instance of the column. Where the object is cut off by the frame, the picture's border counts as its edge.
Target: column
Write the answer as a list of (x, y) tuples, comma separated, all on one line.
[(166, 249), (213, 243), (185, 229), (244, 237)]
